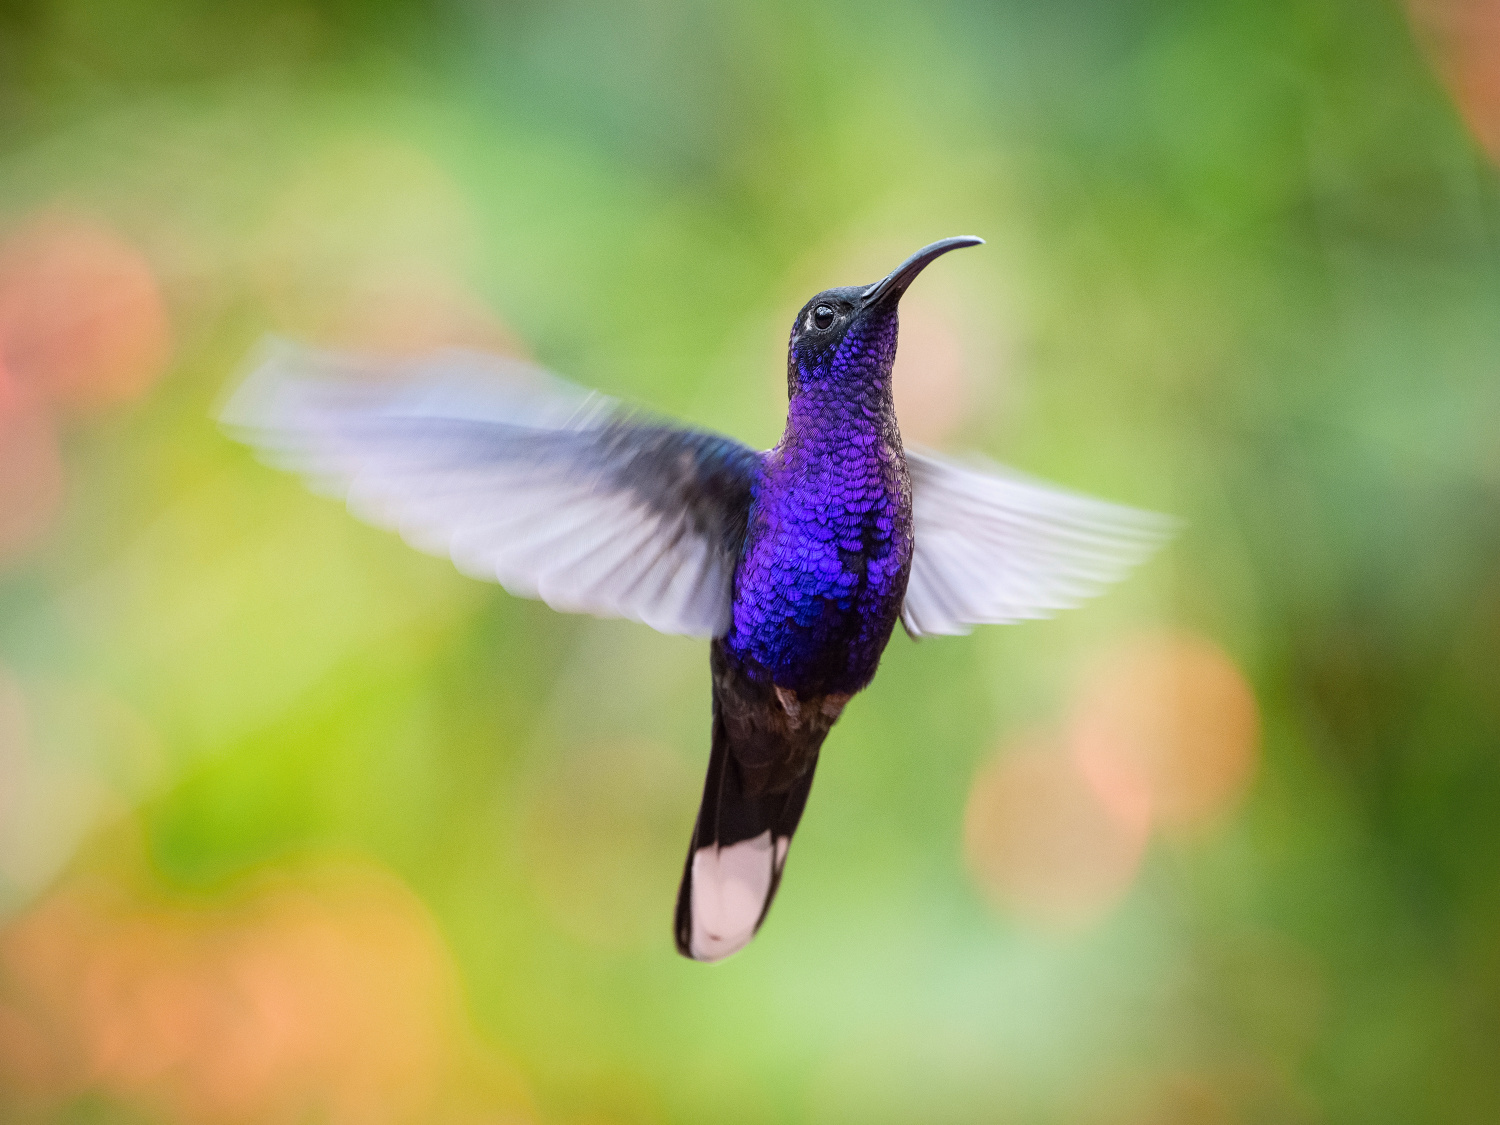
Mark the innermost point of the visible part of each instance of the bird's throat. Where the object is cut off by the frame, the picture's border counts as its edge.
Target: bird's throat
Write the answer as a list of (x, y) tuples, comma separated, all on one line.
[(829, 545)]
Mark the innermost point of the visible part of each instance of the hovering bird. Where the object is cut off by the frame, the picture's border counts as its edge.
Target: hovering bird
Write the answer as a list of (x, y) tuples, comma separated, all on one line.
[(797, 562)]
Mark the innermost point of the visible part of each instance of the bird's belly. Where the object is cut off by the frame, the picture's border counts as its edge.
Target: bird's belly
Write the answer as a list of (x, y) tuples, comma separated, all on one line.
[(815, 605)]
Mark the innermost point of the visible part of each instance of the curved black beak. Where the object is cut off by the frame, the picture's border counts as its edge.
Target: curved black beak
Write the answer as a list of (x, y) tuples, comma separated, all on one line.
[(894, 283)]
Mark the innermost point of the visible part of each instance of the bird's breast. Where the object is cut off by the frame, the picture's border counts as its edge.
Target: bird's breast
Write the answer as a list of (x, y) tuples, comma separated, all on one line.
[(828, 552)]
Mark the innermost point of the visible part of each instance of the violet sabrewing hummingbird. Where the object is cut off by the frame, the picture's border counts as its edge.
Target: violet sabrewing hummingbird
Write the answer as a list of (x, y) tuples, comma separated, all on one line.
[(795, 562)]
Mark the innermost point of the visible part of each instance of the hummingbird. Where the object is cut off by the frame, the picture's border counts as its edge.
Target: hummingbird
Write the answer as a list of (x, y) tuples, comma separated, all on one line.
[(795, 562)]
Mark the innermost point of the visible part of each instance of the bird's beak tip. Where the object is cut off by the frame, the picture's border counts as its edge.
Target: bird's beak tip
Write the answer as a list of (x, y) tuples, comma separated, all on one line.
[(894, 283)]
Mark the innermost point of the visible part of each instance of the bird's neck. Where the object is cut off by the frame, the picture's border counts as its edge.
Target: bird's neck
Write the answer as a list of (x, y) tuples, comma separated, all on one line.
[(840, 413)]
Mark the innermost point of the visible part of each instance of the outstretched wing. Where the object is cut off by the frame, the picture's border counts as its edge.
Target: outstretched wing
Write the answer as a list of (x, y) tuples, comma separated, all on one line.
[(993, 546), (517, 476)]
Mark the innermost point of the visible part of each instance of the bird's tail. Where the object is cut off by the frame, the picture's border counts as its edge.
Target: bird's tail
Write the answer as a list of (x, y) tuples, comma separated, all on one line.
[(738, 850)]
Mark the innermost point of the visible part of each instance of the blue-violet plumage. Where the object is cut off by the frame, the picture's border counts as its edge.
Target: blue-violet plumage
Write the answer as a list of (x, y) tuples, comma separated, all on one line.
[(796, 562), (829, 540)]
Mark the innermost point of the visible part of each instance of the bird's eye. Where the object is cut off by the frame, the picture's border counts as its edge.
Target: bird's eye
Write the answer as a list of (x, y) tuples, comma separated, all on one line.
[(822, 317)]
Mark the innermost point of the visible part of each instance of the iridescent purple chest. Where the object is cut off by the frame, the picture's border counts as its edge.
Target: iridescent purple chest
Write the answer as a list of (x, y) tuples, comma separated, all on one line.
[(828, 550)]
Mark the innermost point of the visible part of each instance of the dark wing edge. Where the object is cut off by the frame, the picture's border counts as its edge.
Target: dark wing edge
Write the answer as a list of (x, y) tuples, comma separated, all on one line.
[(993, 546), (514, 474)]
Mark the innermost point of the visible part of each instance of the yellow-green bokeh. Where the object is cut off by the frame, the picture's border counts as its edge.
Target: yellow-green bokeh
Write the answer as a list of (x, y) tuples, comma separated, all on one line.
[(1241, 267)]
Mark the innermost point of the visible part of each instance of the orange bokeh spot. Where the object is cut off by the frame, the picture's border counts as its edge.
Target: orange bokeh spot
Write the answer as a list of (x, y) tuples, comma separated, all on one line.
[(1464, 38), (1041, 843), (326, 996), (31, 470), (81, 318), (1174, 1098), (1166, 729)]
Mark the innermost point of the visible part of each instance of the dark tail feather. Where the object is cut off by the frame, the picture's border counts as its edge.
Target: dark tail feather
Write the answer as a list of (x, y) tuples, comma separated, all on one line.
[(738, 851)]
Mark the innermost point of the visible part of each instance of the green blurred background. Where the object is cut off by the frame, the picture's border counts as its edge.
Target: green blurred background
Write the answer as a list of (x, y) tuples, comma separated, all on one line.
[(297, 825)]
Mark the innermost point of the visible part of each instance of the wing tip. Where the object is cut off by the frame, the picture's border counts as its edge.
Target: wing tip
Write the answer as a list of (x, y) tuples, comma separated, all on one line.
[(1002, 546), (378, 431)]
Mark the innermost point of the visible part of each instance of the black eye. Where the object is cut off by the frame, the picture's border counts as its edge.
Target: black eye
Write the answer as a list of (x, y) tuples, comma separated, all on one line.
[(822, 316)]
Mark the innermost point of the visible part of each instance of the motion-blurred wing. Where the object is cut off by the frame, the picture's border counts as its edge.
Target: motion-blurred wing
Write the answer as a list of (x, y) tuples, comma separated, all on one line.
[(518, 477), (993, 546)]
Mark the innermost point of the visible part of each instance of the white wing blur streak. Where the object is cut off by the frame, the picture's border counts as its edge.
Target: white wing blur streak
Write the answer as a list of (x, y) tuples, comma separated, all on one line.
[(993, 546), (517, 476)]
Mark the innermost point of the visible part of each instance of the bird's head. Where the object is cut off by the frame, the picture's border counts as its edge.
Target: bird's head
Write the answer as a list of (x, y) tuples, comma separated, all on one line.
[(849, 334)]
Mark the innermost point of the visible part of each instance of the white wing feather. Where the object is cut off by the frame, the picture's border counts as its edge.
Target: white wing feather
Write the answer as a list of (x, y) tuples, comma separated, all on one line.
[(993, 546), (497, 465)]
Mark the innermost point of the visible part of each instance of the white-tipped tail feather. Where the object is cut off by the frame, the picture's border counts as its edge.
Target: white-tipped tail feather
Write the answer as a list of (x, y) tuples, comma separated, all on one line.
[(731, 890)]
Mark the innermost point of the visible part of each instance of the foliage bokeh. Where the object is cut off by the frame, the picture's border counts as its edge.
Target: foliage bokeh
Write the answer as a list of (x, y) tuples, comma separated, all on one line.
[(296, 824)]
